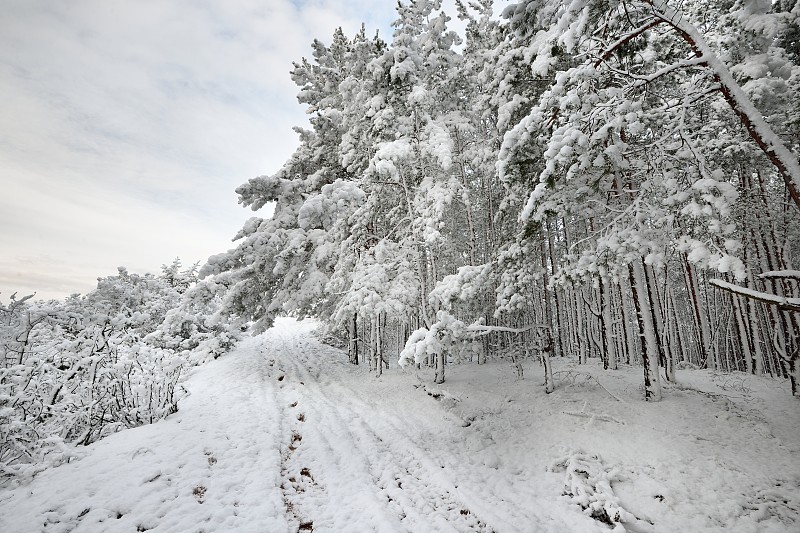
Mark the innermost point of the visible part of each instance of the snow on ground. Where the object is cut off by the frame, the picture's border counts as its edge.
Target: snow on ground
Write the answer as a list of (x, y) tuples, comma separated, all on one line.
[(283, 435)]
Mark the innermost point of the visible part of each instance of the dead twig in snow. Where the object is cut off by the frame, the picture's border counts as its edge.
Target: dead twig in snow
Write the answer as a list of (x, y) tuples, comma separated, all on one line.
[(584, 377)]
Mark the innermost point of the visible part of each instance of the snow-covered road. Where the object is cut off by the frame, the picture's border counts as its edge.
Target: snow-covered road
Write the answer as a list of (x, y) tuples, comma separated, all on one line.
[(283, 435), (278, 436), (355, 458)]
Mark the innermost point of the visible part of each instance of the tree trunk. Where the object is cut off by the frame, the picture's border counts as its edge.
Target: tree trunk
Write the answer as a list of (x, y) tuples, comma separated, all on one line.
[(652, 384), (549, 385), (582, 355), (701, 320), (378, 347), (657, 316), (354, 339), (606, 300), (440, 362)]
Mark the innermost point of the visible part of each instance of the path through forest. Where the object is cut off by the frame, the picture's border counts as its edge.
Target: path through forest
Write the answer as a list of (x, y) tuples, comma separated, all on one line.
[(283, 434), (354, 459)]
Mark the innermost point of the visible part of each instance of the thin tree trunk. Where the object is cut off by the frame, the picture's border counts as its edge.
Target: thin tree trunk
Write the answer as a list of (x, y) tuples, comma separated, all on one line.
[(581, 333), (652, 383), (549, 385), (744, 336), (608, 327), (354, 339), (556, 323), (701, 320), (657, 317), (378, 347)]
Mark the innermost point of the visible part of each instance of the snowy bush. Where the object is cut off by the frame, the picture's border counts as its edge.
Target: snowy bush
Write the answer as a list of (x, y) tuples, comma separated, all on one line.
[(589, 483), (193, 329), (73, 372)]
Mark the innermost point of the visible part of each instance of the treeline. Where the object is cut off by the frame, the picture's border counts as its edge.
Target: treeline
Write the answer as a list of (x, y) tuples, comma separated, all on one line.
[(565, 181), (74, 371)]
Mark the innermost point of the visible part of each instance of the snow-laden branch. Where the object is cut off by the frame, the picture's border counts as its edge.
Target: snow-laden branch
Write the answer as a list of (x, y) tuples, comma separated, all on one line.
[(609, 51), (490, 329), (788, 304), (780, 156), (696, 62), (786, 274)]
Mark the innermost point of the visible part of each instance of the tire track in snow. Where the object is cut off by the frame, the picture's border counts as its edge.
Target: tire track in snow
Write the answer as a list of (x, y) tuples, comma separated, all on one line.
[(294, 480), (327, 497), (354, 462), (500, 500)]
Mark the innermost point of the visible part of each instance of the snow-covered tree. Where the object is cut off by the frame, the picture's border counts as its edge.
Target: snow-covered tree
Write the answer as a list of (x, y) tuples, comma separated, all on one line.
[(568, 177)]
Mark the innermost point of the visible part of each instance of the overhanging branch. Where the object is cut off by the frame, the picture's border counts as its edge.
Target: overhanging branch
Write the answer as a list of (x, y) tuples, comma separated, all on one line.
[(786, 304), (613, 47)]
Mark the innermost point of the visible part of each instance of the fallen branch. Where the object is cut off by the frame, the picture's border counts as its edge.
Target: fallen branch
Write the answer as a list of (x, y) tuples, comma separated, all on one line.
[(595, 416), (571, 374)]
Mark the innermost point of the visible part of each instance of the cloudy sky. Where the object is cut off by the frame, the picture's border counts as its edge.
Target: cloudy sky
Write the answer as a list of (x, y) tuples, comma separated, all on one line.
[(127, 125)]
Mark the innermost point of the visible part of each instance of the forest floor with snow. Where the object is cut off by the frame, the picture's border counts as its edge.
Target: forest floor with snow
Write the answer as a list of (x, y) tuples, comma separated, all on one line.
[(282, 434)]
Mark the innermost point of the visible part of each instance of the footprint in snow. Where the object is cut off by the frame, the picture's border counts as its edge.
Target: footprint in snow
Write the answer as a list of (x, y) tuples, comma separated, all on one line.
[(199, 493), (296, 438), (211, 459), (305, 472)]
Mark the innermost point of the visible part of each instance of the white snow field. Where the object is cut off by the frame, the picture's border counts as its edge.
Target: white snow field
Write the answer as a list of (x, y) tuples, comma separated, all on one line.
[(282, 434)]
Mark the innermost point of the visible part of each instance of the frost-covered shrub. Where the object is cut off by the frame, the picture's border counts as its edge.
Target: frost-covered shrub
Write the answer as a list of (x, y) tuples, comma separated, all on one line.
[(589, 482), (195, 328), (75, 398), (73, 372)]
